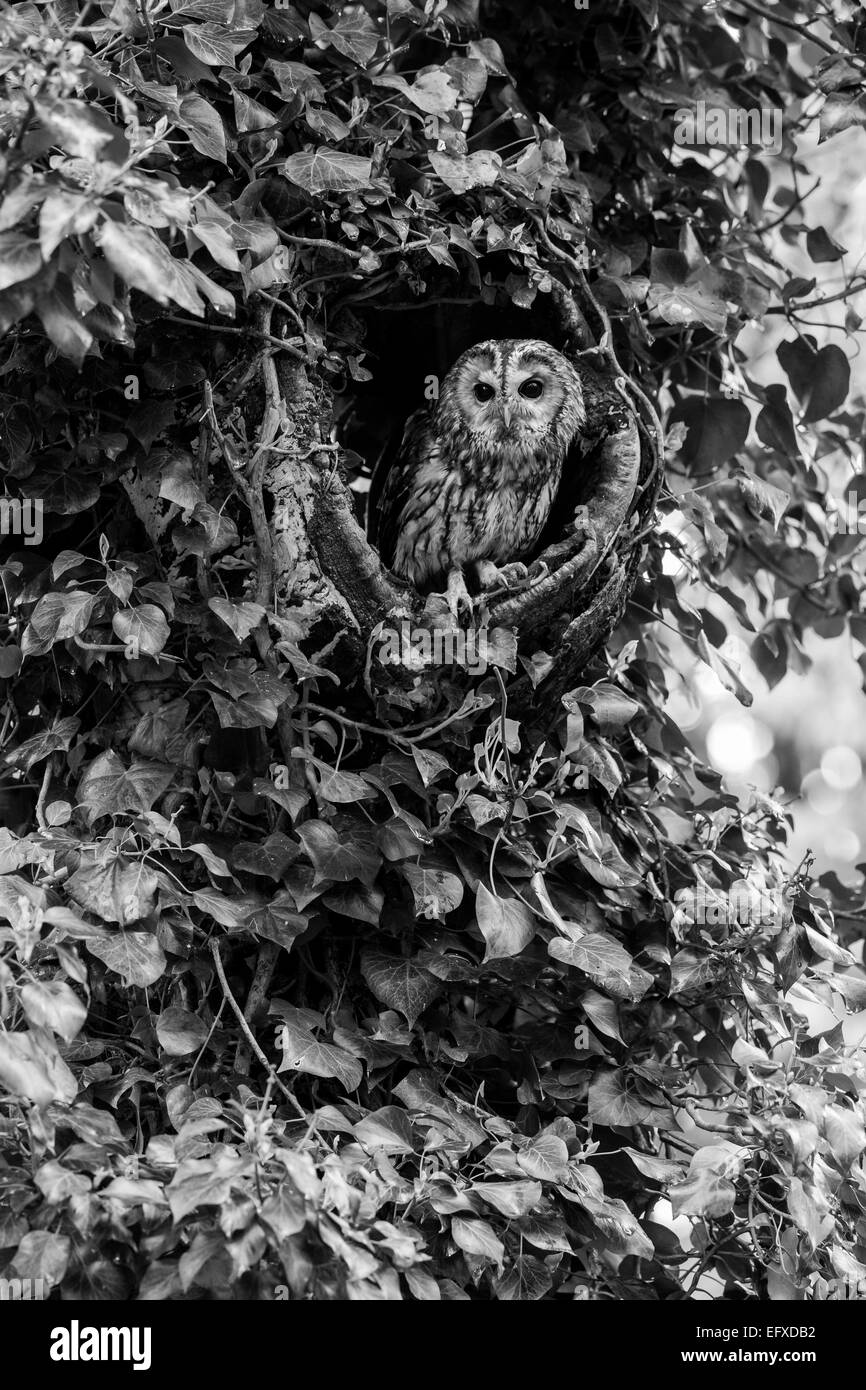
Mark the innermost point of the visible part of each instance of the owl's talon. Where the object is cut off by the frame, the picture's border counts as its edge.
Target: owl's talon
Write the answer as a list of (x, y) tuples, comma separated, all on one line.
[(457, 596), (510, 576), (584, 525)]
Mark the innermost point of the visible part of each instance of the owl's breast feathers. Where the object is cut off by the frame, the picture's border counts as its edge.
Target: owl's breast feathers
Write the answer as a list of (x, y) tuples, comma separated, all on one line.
[(450, 500)]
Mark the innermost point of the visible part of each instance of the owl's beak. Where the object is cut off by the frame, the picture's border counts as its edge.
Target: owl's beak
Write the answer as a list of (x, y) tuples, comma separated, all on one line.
[(506, 414)]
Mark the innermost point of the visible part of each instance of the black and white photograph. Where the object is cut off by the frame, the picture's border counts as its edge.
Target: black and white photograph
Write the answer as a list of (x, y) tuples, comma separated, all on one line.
[(432, 714)]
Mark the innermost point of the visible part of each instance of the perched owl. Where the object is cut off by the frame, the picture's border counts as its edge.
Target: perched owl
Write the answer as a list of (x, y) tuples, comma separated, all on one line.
[(477, 472)]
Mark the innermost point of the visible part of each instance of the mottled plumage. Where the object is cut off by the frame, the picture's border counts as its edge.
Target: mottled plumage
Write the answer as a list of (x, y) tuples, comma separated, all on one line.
[(477, 472)]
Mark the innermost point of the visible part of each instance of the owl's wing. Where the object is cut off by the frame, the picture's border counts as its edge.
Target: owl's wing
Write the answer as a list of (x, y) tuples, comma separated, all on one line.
[(391, 485)]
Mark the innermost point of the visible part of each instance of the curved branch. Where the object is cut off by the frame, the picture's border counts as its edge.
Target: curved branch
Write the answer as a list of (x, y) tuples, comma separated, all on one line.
[(583, 636), (570, 317), (348, 559), (607, 510)]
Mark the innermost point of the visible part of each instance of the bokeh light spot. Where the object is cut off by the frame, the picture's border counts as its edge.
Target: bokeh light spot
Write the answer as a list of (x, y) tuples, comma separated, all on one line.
[(842, 844), (841, 767), (735, 742), (823, 799)]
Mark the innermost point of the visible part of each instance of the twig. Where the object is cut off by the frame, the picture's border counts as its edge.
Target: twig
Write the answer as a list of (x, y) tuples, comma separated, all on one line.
[(245, 1027), (216, 1018), (282, 344), (794, 309), (266, 961), (43, 793), (800, 29)]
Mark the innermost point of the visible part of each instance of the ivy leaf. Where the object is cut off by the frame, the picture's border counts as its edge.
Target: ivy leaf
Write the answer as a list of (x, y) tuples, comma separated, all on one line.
[(109, 788), (821, 246), (284, 1211), (268, 859), (708, 1189), (717, 429), (202, 1182), (66, 329), (355, 35), (430, 765), (64, 214), (506, 924), (54, 740), (545, 1158), (78, 127), (216, 44), (511, 1199), (53, 1004), (20, 258), (610, 706), (135, 955), (828, 949), (252, 712), (691, 970), (688, 304), (10, 660), (218, 240), (31, 1066), (330, 127), (602, 1013), (221, 908), (202, 124), (840, 111), (292, 799), (138, 256), (462, 172), (845, 1134), (479, 1239), (224, 303), (501, 648), (614, 1100), (278, 921), (363, 904), (607, 963), (340, 788), (180, 1032), (388, 1129), (55, 618), (220, 10), (436, 890), (488, 52), (399, 984), (775, 424), (12, 889), (526, 1281), (143, 629), (336, 857), (820, 378), (302, 1052), (67, 923), (432, 92), (324, 170), (116, 889), (762, 498), (296, 79), (660, 1170), (725, 669), (242, 618), (42, 1255)]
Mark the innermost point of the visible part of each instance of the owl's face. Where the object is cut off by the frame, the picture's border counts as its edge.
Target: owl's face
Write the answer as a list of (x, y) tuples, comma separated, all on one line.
[(517, 390)]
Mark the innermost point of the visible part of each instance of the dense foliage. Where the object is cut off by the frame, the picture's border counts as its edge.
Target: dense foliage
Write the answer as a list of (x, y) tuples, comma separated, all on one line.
[(383, 990)]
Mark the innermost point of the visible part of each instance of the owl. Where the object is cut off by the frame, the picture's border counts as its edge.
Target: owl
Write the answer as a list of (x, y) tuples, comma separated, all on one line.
[(477, 472)]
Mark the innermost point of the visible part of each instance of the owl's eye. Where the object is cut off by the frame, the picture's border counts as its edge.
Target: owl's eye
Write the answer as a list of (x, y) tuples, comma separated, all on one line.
[(531, 388), (484, 391)]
